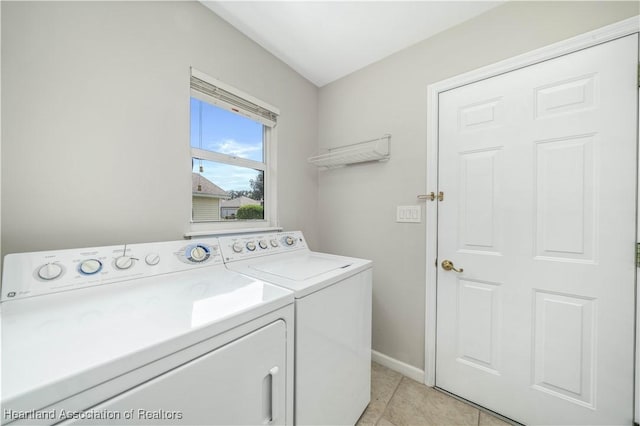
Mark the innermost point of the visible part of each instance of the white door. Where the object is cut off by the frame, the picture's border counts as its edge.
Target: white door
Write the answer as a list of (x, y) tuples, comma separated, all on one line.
[(241, 383), (538, 170)]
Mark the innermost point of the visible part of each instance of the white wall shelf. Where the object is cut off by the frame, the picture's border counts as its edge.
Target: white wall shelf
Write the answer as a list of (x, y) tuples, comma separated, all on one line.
[(371, 150)]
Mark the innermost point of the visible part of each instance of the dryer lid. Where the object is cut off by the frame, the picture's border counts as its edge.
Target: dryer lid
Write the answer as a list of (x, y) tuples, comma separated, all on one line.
[(61, 344)]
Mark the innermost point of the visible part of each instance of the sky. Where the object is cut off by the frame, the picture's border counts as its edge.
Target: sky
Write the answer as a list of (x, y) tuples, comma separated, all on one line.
[(227, 133)]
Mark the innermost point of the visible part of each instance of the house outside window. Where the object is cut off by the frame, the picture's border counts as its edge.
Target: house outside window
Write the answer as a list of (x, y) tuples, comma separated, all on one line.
[(233, 141), (229, 207), (207, 198)]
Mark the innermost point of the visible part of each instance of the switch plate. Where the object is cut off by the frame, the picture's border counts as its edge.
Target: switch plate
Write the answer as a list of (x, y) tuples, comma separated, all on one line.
[(410, 214)]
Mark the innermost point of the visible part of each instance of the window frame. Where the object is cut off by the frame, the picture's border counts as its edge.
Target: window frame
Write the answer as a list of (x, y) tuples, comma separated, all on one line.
[(268, 166)]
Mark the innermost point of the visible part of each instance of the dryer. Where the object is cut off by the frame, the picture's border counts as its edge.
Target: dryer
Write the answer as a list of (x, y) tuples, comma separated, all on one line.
[(158, 333), (332, 320)]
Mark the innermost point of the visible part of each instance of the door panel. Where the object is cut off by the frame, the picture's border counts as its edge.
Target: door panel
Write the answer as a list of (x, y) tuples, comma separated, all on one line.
[(564, 330), (479, 227), (565, 192), (479, 327), (538, 169)]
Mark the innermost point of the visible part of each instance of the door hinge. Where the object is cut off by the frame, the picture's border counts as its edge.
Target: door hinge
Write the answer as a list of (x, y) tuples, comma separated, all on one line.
[(637, 255)]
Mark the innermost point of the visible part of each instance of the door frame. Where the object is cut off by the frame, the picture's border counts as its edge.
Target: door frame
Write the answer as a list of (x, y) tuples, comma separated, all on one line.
[(610, 32)]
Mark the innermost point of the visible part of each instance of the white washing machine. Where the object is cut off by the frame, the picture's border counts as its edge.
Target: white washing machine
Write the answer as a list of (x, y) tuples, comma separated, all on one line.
[(333, 320), (156, 333)]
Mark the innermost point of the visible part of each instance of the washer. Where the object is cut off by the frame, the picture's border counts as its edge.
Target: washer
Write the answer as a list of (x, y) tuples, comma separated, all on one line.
[(333, 320), (157, 333)]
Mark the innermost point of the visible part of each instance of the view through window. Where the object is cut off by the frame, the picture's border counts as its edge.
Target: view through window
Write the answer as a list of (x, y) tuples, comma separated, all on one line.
[(228, 164)]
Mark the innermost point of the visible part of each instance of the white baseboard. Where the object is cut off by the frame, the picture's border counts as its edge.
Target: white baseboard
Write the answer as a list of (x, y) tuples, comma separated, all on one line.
[(403, 368)]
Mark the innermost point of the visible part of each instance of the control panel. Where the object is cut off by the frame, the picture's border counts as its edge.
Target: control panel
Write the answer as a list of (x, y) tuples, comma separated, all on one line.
[(32, 274), (249, 246)]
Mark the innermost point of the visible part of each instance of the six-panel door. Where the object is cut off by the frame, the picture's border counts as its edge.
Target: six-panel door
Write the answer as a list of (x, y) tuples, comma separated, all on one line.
[(538, 170)]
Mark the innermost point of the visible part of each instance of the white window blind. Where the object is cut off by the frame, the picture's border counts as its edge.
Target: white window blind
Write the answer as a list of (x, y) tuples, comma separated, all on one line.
[(209, 90)]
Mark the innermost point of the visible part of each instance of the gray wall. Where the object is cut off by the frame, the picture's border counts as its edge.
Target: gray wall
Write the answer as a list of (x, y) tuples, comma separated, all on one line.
[(95, 127), (358, 203), (95, 114)]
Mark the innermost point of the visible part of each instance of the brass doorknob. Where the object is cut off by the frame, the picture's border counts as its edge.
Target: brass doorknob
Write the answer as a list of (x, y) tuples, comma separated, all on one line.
[(447, 265)]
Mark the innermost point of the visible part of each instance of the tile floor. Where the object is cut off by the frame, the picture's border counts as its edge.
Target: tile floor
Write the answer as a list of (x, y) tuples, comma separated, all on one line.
[(398, 400)]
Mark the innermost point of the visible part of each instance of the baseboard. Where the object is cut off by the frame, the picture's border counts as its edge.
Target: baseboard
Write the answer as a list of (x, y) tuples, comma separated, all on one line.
[(403, 368)]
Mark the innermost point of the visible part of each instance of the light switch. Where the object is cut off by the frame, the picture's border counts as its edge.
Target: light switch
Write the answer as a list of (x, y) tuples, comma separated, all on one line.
[(408, 214)]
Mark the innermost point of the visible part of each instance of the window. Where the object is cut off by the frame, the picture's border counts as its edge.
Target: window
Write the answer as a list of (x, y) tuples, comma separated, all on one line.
[(232, 154)]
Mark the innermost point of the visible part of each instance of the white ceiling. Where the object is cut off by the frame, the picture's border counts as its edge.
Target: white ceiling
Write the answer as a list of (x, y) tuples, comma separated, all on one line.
[(326, 40)]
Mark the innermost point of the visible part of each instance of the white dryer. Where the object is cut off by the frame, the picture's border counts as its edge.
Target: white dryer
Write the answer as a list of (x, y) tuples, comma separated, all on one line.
[(155, 333), (332, 320)]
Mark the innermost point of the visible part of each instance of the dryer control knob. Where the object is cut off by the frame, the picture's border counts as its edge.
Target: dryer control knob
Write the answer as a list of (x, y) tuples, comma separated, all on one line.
[(237, 247), (263, 244), (90, 266), (50, 271), (124, 262), (251, 246), (274, 242), (289, 240), (152, 259), (198, 253)]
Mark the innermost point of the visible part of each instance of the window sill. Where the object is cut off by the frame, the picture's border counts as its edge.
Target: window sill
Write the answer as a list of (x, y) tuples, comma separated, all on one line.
[(213, 233)]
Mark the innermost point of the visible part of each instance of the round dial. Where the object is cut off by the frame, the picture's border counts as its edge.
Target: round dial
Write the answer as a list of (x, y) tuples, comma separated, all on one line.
[(237, 247), (90, 266), (124, 262), (50, 271), (251, 246), (198, 253), (263, 244), (274, 242), (152, 259), (289, 240)]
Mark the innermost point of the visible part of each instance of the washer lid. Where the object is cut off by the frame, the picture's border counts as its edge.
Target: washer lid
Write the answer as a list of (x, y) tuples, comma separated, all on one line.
[(302, 272), (302, 267)]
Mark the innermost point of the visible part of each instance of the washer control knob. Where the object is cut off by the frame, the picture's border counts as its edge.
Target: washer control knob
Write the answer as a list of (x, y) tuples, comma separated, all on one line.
[(237, 247), (251, 246), (50, 271), (152, 259), (263, 244), (198, 253), (124, 262), (274, 242), (289, 240), (90, 266)]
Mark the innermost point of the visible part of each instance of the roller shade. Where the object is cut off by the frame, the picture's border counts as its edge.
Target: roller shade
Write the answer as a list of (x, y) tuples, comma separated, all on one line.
[(207, 90)]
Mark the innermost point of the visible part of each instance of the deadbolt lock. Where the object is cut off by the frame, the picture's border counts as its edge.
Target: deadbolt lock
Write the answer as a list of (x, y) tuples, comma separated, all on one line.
[(432, 196)]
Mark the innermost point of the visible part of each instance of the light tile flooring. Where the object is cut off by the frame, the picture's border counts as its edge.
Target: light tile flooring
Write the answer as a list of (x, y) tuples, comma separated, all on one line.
[(398, 400)]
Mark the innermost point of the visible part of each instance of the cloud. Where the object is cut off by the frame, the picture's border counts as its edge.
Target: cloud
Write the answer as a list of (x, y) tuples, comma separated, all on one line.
[(237, 149), (229, 177)]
